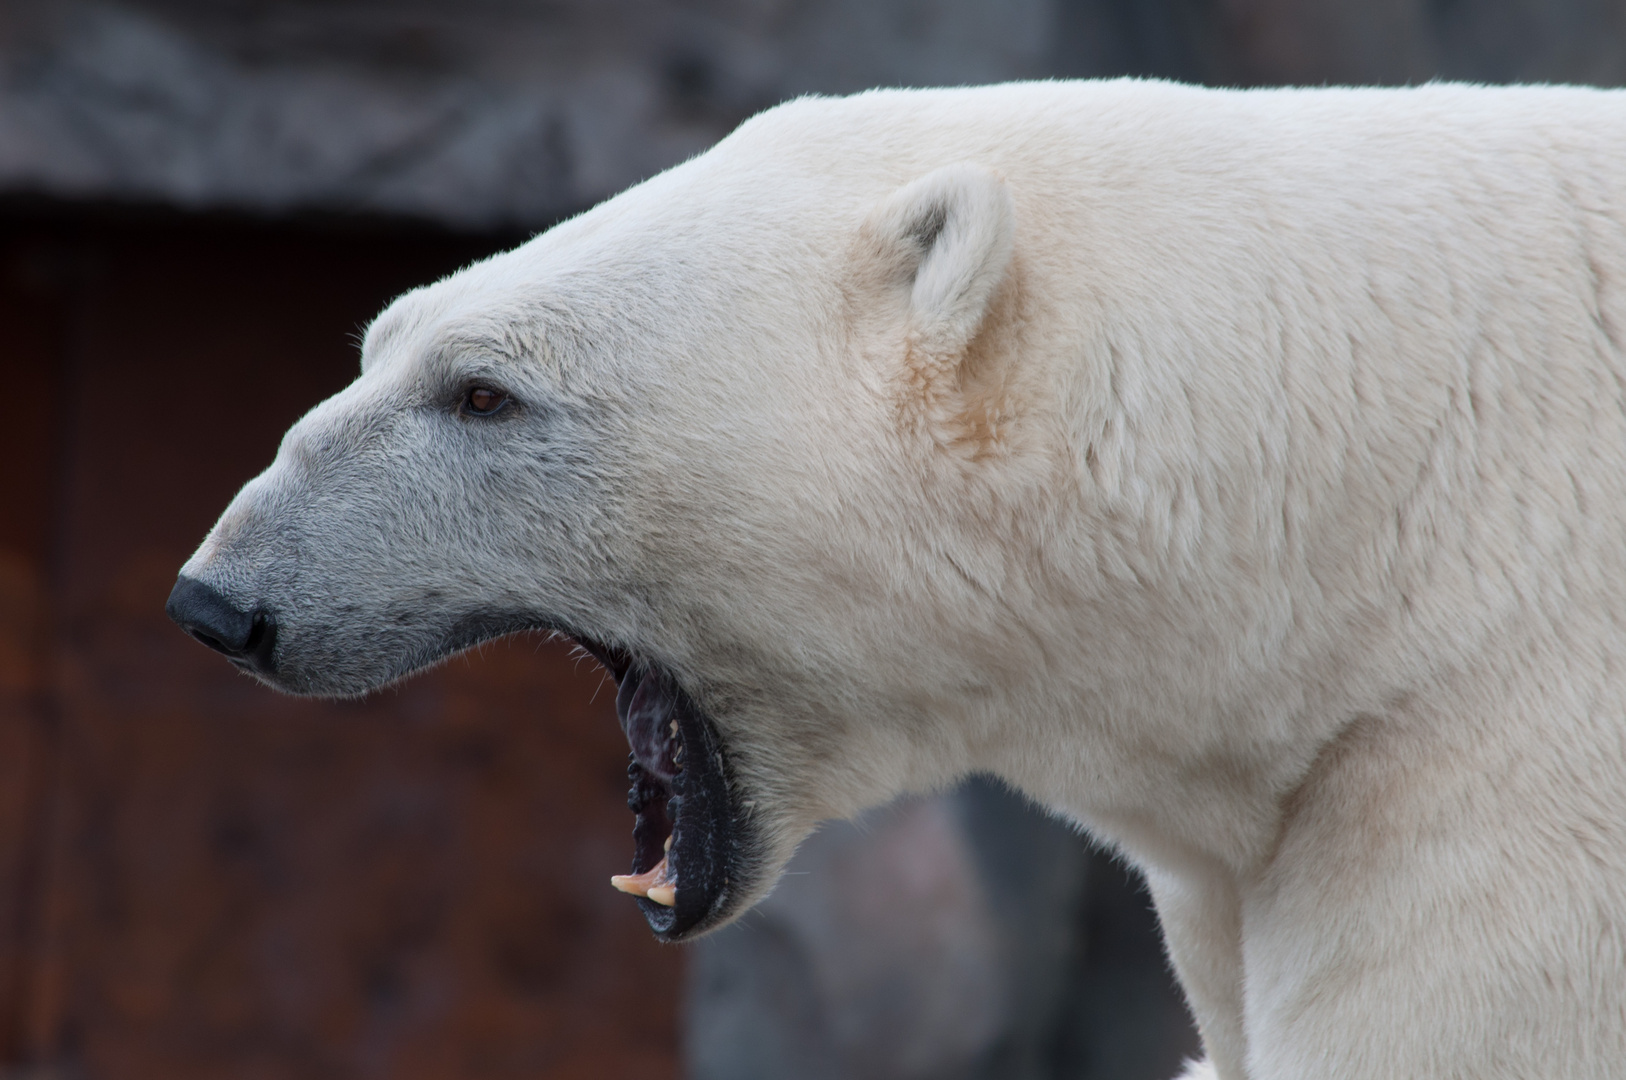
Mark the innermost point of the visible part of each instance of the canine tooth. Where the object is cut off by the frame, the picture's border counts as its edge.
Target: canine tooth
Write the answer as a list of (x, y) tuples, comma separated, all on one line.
[(632, 884), (640, 884), (667, 846), (656, 880)]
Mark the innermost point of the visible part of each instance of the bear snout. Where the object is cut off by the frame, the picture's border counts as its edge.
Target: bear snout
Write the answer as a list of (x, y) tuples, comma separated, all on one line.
[(247, 638)]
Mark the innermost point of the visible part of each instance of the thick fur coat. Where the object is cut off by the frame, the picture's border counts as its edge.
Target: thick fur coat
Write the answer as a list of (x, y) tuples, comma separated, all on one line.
[(1239, 474)]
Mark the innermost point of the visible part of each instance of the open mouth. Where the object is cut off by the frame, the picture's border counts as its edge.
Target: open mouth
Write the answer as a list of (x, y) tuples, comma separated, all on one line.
[(684, 843)]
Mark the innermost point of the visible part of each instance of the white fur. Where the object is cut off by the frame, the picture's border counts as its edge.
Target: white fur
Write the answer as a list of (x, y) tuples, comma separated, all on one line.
[(1242, 474), (956, 268)]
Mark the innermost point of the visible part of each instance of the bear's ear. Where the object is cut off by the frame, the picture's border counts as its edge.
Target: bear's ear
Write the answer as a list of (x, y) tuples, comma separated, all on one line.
[(948, 234)]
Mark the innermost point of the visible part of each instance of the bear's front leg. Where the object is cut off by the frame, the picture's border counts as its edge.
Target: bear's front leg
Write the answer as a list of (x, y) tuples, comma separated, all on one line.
[(1200, 912)]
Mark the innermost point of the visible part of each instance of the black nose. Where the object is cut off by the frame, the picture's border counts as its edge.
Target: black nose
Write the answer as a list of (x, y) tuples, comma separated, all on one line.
[(247, 637)]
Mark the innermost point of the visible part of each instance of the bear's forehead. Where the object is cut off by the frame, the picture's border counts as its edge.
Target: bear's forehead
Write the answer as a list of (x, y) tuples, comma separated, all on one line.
[(429, 337), (560, 312), (464, 314)]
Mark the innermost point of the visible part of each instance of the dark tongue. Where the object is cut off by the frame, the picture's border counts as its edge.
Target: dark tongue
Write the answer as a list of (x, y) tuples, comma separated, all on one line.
[(644, 704)]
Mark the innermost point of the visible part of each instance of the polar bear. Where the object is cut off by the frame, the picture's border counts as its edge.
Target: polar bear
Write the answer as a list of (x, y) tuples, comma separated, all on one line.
[(1241, 474)]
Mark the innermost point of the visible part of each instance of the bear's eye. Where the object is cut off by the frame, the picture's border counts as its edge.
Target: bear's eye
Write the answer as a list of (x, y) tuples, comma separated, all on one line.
[(483, 401)]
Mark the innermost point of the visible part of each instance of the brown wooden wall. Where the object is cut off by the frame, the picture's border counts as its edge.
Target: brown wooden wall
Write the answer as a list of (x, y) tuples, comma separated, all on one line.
[(198, 877)]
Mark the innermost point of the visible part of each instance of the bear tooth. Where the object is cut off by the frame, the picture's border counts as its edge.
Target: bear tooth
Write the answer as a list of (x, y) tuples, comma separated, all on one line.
[(654, 883), (632, 884)]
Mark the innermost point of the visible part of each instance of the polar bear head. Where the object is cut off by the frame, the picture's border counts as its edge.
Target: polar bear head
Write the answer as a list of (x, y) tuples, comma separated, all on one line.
[(741, 432)]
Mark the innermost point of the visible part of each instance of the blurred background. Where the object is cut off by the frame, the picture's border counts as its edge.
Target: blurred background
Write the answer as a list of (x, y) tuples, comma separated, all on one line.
[(201, 204)]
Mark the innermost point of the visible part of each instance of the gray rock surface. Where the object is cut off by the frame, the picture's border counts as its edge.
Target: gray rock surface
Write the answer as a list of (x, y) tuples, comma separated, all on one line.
[(503, 113), (485, 113)]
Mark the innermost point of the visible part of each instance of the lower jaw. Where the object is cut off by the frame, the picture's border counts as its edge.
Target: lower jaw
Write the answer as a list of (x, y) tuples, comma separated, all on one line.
[(685, 833), (704, 851)]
